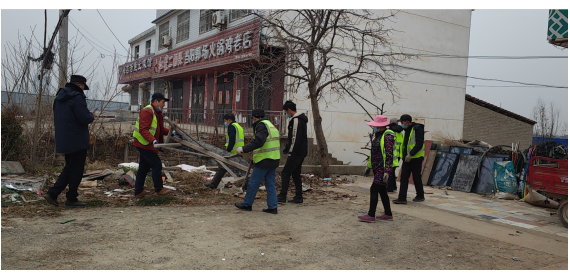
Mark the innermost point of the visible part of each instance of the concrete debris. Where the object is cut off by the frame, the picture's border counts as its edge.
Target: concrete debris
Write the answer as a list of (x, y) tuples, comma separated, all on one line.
[(12, 167), (24, 184), (130, 165)]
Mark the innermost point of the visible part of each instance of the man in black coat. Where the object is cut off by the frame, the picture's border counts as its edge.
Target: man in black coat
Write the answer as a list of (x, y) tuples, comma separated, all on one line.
[(71, 120), (412, 159), (296, 149)]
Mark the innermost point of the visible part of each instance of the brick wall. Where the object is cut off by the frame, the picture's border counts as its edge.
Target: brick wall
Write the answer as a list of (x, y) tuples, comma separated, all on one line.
[(483, 124)]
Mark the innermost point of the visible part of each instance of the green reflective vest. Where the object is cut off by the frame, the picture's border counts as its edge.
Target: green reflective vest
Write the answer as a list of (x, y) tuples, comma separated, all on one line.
[(152, 128), (395, 152), (398, 141), (271, 147), (412, 144), (239, 137)]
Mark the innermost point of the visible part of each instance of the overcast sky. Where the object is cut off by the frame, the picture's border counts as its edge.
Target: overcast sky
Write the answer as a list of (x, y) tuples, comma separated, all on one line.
[(493, 33)]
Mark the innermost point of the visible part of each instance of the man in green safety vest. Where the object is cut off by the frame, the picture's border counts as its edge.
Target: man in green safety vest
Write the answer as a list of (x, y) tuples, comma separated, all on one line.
[(412, 151), (266, 154), (399, 139), (234, 140), (149, 131)]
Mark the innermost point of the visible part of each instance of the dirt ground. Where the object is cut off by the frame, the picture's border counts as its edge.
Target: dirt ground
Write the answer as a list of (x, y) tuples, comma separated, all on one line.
[(322, 233)]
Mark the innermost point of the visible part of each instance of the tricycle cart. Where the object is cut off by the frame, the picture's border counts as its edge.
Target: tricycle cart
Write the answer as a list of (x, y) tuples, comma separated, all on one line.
[(551, 176)]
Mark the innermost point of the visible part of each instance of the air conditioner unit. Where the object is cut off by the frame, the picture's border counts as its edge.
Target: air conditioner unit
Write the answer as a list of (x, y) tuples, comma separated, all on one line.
[(166, 40), (218, 18)]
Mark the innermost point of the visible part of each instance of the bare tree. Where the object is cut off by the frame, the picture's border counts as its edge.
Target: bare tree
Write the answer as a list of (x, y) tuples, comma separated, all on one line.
[(548, 124), (333, 53)]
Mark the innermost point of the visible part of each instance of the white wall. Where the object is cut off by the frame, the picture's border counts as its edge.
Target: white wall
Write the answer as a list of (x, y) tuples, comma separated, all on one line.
[(439, 106)]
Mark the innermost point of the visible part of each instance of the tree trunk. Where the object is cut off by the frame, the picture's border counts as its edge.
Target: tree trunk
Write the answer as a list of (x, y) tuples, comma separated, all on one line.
[(322, 148)]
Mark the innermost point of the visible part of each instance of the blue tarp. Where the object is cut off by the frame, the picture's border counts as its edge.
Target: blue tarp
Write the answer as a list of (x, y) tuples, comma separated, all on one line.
[(538, 140)]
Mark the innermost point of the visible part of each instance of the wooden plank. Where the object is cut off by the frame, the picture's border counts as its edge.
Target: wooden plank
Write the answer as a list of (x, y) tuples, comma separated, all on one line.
[(227, 169), (210, 154), (167, 173), (168, 145), (428, 167)]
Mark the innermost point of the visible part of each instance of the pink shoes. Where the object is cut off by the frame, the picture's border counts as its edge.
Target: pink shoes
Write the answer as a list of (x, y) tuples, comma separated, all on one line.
[(384, 218), (366, 218)]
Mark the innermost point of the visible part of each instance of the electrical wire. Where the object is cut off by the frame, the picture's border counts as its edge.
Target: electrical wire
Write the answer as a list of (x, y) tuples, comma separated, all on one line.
[(112, 32), (91, 43), (75, 24)]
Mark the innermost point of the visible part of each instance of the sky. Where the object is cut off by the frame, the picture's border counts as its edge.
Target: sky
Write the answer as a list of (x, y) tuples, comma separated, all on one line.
[(516, 33), (493, 33)]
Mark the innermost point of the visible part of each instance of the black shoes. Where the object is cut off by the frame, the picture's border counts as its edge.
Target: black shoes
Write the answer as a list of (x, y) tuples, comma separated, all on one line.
[(210, 186), (397, 201), (50, 200), (417, 199), (270, 211), (295, 200), (281, 199), (246, 208), (76, 204)]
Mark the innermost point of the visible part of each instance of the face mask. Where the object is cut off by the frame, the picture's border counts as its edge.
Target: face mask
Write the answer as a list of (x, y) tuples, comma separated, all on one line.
[(159, 109), (404, 126), (288, 116), (226, 124), (375, 129)]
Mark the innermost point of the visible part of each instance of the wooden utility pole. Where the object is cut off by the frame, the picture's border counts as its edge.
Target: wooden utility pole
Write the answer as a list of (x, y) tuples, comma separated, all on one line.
[(39, 98), (63, 42)]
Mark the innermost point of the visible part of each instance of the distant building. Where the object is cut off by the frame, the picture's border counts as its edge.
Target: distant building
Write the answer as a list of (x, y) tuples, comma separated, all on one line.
[(492, 124)]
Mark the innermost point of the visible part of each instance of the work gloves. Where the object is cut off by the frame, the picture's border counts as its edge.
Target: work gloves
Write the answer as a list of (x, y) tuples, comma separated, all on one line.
[(176, 134), (154, 143), (367, 172), (239, 150), (285, 150), (386, 177), (408, 158)]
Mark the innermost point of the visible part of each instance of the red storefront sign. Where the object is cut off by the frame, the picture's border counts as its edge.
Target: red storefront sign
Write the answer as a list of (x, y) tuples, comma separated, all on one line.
[(233, 45), (139, 69)]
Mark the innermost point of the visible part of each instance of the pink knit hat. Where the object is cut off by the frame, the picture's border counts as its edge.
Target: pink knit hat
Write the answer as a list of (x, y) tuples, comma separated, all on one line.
[(379, 121)]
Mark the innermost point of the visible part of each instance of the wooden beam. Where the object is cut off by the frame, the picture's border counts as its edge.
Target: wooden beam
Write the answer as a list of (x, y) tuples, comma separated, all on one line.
[(227, 169), (168, 145), (210, 154)]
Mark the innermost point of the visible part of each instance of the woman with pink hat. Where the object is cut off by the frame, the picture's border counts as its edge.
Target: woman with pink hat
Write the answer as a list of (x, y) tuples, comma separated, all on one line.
[(382, 158)]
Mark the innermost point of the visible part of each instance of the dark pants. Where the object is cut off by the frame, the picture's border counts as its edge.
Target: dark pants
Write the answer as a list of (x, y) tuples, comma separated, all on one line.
[(149, 160), (218, 176), (376, 189), (413, 167), (292, 168), (71, 175), (392, 181)]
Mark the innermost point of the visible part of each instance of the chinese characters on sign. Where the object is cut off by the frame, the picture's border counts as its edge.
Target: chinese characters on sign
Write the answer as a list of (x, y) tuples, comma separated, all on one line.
[(220, 48), (134, 70)]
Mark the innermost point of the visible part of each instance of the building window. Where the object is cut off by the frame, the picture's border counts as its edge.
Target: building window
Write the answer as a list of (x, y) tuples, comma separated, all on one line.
[(236, 14), (163, 30), (137, 52), (206, 20), (147, 46), (183, 29)]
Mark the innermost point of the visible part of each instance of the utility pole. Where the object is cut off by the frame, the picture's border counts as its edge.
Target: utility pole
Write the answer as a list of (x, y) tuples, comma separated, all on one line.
[(63, 50)]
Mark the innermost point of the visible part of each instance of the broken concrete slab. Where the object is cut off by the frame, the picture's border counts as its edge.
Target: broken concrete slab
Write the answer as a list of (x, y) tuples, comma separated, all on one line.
[(12, 167), (99, 175), (24, 184)]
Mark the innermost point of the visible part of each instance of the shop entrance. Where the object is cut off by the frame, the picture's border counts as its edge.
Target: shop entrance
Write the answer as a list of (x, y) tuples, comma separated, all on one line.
[(224, 96), (197, 99), (176, 101)]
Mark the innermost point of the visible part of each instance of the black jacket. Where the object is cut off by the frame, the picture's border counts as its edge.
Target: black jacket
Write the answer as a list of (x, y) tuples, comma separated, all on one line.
[(71, 120), (395, 127), (261, 134), (232, 137), (419, 130), (297, 136)]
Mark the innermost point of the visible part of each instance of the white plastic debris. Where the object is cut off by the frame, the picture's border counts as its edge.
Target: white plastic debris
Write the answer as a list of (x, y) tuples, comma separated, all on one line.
[(262, 188), (191, 168), (118, 190), (131, 165), (169, 187), (262, 254)]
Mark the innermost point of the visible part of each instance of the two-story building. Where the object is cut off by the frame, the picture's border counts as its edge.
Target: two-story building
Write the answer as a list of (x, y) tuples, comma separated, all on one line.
[(202, 60)]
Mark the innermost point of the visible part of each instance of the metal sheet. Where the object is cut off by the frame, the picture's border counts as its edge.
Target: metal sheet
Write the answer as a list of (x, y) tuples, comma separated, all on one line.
[(465, 173), (444, 169), (484, 183)]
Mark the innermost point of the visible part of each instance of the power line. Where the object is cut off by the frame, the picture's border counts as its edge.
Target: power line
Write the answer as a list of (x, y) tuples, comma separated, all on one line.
[(113, 32), (91, 42), (73, 21)]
